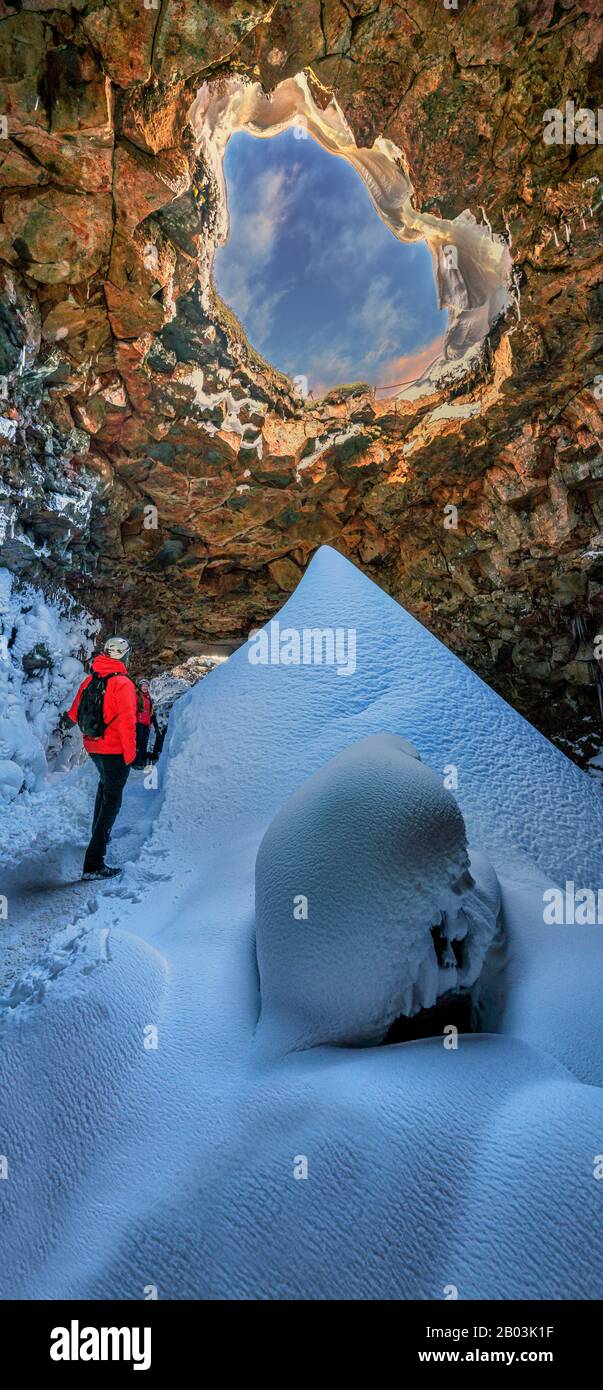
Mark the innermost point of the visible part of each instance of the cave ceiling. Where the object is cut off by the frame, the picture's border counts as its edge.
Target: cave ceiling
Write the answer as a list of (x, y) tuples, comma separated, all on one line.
[(150, 458)]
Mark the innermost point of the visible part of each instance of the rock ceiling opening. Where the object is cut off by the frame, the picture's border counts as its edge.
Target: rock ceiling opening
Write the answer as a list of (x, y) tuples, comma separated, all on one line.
[(471, 266), (321, 286)]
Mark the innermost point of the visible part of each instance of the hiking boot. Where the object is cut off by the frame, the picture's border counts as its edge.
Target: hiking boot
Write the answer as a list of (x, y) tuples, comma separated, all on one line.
[(103, 871)]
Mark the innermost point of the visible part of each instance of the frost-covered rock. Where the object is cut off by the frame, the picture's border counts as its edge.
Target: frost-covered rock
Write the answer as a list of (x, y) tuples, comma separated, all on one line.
[(43, 643), (355, 872), (11, 779), (169, 685)]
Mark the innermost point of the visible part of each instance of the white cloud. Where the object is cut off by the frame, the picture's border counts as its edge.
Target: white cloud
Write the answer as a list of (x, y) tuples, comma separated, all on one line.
[(263, 314), (261, 210), (260, 226), (332, 364)]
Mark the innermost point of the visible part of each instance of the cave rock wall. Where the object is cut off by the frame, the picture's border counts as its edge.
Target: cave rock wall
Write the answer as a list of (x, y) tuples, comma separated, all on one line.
[(151, 460)]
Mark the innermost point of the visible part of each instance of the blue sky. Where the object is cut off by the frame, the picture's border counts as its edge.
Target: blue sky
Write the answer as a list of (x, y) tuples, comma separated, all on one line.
[(320, 284)]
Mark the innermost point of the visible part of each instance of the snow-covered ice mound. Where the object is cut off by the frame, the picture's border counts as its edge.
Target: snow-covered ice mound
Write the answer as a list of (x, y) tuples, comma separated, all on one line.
[(153, 1140), (355, 870)]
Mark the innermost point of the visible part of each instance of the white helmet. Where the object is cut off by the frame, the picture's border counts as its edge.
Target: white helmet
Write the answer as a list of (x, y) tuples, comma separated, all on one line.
[(118, 648)]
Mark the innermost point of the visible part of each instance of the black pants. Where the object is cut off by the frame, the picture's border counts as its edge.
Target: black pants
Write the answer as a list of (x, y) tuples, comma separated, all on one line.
[(142, 743), (113, 773)]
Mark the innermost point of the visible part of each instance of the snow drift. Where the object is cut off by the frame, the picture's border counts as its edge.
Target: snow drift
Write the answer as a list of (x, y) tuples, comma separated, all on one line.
[(374, 846), (152, 1140)]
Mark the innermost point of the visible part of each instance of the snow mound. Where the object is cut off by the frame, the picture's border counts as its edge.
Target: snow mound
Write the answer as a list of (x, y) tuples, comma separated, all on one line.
[(150, 1137), (353, 873)]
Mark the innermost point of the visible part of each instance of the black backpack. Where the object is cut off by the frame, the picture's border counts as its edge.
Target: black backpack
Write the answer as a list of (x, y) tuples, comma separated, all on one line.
[(90, 708)]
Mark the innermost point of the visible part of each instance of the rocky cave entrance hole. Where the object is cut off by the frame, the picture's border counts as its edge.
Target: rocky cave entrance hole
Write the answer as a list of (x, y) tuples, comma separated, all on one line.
[(471, 265), (319, 283)]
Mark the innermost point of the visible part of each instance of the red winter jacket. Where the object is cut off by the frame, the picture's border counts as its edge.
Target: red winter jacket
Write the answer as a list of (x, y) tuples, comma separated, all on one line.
[(119, 710), (145, 708)]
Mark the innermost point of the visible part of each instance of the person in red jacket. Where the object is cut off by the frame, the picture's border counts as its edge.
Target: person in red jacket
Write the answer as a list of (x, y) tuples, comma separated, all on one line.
[(113, 751), (145, 718)]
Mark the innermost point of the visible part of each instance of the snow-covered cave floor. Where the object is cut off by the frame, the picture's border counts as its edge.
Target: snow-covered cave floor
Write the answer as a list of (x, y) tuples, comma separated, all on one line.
[(42, 880), (173, 1165)]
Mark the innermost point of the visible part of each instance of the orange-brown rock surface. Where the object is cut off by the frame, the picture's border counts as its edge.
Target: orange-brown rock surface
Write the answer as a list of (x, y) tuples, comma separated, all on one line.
[(193, 484)]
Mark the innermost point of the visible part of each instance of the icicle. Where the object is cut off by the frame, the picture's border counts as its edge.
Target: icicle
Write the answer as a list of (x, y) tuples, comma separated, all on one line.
[(486, 220), (515, 295), (598, 682), (580, 627)]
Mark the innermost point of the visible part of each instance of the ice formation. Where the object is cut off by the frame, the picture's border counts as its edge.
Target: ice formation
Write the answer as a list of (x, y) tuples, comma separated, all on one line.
[(43, 642), (352, 876)]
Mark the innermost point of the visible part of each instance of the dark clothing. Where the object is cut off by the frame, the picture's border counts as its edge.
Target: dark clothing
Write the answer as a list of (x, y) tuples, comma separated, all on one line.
[(113, 773), (142, 742), (146, 720)]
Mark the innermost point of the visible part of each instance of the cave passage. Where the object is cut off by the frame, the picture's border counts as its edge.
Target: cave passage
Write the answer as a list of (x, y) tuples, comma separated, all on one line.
[(322, 287)]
